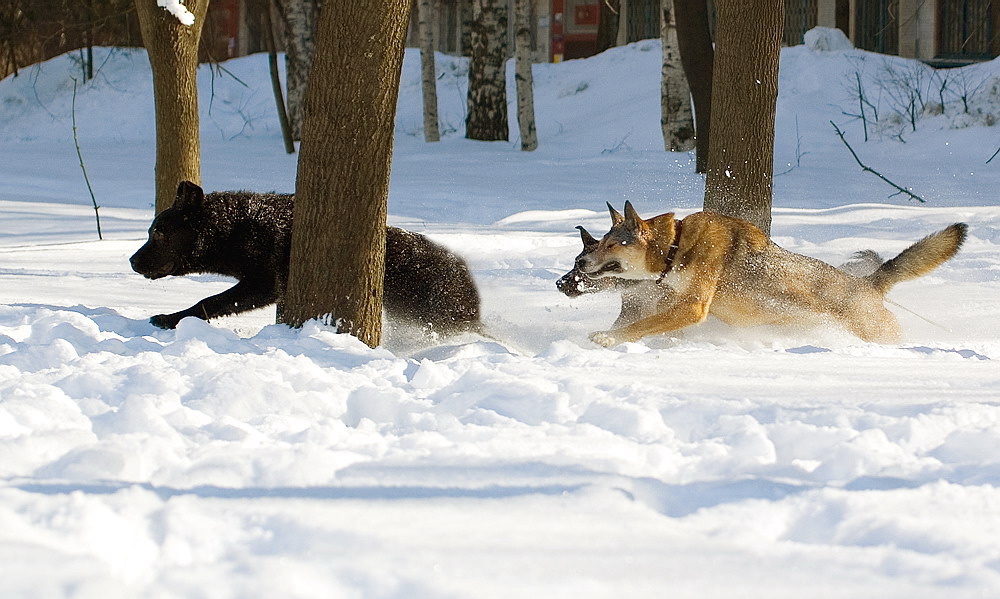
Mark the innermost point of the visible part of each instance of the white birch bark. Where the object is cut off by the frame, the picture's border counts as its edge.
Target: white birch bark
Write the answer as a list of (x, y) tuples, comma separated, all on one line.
[(522, 75), (676, 118), (299, 20), (622, 23), (487, 103), (425, 14)]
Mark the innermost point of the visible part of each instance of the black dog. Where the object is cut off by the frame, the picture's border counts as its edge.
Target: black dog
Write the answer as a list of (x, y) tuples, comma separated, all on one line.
[(247, 236)]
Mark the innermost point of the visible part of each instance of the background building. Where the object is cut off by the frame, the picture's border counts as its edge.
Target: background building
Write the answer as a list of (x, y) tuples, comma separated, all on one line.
[(939, 32)]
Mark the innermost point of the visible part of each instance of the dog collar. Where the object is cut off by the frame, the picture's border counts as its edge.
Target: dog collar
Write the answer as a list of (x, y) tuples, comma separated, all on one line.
[(671, 252)]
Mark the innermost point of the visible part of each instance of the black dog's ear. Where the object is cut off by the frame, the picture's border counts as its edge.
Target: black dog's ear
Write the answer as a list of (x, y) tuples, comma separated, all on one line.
[(189, 195), (588, 239)]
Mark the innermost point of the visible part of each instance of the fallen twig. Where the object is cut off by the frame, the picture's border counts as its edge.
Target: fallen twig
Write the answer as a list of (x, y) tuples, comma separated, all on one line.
[(869, 169)]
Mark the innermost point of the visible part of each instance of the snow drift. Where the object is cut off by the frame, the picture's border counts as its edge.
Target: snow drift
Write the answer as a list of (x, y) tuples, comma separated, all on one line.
[(243, 459)]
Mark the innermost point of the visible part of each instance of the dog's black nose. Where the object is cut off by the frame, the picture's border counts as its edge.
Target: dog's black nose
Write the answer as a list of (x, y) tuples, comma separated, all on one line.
[(569, 283)]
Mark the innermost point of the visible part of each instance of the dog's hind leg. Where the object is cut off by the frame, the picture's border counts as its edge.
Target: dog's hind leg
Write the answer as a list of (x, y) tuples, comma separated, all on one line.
[(883, 328), (872, 322)]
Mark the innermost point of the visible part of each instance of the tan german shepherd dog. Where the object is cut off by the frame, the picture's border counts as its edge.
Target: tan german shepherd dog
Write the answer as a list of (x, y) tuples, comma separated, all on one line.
[(724, 266)]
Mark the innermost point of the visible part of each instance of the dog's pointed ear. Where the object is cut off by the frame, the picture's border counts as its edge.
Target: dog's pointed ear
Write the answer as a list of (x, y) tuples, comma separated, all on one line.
[(616, 217), (189, 195), (663, 224), (632, 220), (587, 238)]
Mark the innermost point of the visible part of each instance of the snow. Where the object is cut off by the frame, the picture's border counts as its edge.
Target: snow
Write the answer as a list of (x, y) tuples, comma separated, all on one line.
[(240, 458), (823, 39), (178, 10)]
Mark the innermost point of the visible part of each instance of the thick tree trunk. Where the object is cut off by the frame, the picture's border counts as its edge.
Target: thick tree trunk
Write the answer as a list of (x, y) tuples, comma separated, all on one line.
[(487, 116), (464, 24), (607, 25), (676, 119), (523, 77), (299, 20), (425, 14), (744, 92), (697, 57), (173, 56), (338, 239)]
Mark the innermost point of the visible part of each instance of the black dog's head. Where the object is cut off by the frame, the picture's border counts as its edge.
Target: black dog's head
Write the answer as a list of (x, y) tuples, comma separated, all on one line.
[(576, 282), (172, 236)]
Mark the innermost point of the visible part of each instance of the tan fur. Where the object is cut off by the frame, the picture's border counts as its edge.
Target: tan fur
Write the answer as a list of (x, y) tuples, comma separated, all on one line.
[(639, 298), (727, 267)]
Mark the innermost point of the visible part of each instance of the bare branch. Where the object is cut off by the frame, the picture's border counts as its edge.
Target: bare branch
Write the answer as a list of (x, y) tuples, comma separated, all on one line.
[(76, 140), (866, 168)]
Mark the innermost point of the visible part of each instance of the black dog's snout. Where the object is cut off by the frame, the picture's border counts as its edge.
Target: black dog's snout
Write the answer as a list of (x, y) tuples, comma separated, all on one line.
[(133, 259), (568, 284)]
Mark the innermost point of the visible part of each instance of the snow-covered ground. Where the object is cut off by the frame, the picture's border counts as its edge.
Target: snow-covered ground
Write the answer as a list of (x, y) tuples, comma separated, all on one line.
[(243, 459)]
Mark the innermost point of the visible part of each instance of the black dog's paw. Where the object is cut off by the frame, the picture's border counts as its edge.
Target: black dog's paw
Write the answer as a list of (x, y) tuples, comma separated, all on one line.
[(165, 321)]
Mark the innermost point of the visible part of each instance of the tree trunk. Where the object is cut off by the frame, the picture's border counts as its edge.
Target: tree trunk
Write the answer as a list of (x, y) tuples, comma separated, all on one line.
[(272, 67), (299, 20), (523, 77), (744, 92), (607, 25), (694, 40), (487, 118), (622, 23), (675, 106), (425, 14), (173, 56), (995, 22), (465, 25), (338, 239)]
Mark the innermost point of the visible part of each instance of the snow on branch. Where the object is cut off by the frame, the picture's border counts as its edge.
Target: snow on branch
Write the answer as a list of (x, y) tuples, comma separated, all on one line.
[(177, 9)]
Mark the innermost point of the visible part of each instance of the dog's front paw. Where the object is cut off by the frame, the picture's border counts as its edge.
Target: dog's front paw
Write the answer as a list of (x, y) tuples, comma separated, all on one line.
[(604, 339), (165, 321)]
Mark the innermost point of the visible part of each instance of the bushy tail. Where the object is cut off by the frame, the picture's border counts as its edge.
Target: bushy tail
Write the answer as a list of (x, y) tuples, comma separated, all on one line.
[(920, 258), (862, 263)]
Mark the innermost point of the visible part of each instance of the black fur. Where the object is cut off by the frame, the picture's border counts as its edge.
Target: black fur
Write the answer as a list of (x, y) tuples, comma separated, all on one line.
[(247, 236)]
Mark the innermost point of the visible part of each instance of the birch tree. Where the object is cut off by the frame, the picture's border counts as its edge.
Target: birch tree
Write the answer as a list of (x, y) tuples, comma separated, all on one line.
[(676, 119), (694, 40), (425, 18), (171, 41), (522, 75), (341, 191), (744, 93), (487, 100), (299, 20), (622, 23)]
